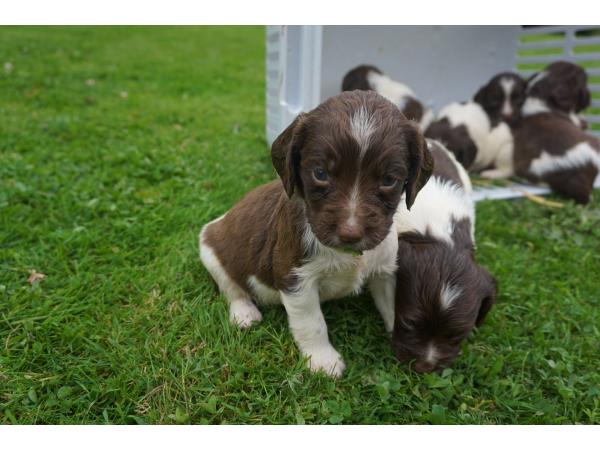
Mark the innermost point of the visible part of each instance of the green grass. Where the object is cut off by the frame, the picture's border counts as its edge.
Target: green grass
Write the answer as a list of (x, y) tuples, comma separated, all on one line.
[(105, 194)]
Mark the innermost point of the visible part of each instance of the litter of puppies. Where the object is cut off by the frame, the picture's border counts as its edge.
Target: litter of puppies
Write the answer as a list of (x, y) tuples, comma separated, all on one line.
[(373, 192)]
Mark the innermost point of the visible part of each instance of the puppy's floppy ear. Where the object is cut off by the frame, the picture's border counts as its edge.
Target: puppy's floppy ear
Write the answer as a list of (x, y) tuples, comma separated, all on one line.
[(561, 96), (420, 162), (490, 289), (481, 95), (583, 98), (285, 154)]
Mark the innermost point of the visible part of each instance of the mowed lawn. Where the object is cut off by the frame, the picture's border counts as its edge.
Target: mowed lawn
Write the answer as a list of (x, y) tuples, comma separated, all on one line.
[(117, 145)]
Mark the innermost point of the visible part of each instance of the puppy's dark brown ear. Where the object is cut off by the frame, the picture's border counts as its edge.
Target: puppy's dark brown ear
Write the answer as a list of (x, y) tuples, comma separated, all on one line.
[(420, 162), (285, 154), (583, 98), (562, 98), (481, 95), (490, 289)]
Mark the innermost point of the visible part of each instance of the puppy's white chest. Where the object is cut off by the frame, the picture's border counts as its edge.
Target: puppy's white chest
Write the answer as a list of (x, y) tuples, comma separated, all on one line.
[(338, 283)]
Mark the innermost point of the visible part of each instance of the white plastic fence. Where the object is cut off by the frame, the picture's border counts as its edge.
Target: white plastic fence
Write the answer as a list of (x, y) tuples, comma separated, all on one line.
[(305, 65)]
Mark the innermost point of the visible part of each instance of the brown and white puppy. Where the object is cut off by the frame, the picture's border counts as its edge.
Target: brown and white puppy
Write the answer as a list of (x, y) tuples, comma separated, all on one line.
[(561, 88), (325, 229), (441, 291), (366, 77), (550, 146), (551, 149), (478, 131)]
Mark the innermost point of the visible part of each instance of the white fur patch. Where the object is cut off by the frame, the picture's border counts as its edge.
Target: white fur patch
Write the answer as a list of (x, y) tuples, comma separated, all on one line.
[(394, 91), (583, 153), (353, 201), (575, 118), (263, 293), (362, 127), (339, 274), (507, 86), (438, 205), (383, 290), (540, 76), (432, 354), (310, 330), (242, 311), (448, 294), (534, 105), (327, 274), (426, 120), (489, 141)]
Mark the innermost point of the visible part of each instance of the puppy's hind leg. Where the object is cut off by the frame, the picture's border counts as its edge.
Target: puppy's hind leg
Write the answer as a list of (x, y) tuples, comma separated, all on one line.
[(496, 174), (504, 166), (242, 312)]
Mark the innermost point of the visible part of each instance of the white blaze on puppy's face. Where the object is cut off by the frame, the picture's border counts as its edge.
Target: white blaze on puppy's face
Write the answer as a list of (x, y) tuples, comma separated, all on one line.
[(507, 86), (448, 295), (362, 127), (431, 356)]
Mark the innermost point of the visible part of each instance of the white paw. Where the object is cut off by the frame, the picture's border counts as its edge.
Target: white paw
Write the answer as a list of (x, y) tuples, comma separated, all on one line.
[(494, 174), (244, 313), (326, 359)]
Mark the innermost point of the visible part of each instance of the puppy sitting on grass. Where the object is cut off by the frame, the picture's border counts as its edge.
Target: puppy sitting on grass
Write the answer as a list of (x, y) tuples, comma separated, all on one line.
[(325, 229)]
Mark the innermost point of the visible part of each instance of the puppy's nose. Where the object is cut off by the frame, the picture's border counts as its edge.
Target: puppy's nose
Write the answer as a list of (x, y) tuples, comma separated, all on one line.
[(350, 233), (422, 366)]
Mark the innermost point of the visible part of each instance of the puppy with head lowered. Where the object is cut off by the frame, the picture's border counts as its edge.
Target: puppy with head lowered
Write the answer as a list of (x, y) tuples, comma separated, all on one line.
[(326, 227), (441, 291)]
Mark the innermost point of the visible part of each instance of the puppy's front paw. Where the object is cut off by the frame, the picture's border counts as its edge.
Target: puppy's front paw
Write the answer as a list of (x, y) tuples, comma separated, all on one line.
[(494, 174), (326, 359), (244, 314)]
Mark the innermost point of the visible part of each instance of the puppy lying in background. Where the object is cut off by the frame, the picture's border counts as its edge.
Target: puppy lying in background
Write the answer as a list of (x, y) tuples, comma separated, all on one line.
[(367, 77), (550, 145), (560, 88), (441, 291), (325, 228), (477, 132)]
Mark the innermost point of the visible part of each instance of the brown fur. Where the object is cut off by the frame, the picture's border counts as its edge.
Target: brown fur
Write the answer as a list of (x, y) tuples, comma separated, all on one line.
[(556, 134), (261, 235), (425, 264), (445, 168), (322, 140), (456, 139), (413, 109), (564, 88), (357, 79), (491, 98)]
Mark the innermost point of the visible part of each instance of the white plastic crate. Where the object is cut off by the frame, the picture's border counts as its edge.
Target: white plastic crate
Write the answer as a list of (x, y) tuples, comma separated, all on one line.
[(305, 65)]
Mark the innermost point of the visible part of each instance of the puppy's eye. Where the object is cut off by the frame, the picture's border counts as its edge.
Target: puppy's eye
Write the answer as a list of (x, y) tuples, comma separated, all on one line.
[(388, 182), (320, 174)]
